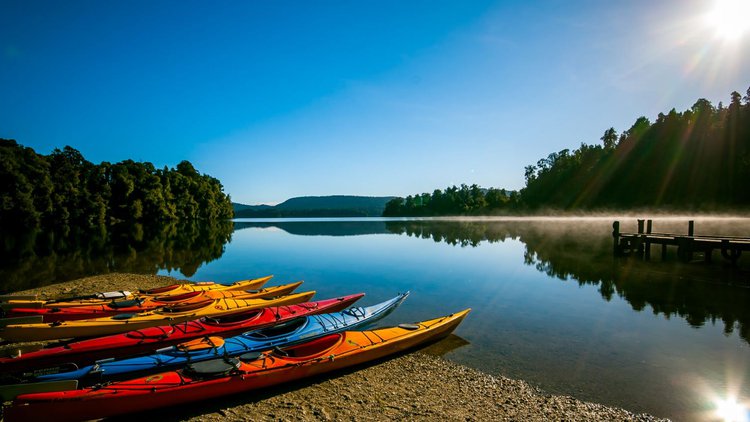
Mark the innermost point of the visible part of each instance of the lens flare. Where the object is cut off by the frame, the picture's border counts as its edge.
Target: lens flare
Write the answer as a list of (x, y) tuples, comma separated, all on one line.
[(728, 410)]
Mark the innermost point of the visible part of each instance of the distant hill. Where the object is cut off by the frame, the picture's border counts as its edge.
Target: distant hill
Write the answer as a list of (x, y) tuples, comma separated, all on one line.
[(317, 206)]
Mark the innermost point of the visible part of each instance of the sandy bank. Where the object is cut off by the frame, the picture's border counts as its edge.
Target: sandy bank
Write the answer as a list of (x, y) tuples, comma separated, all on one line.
[(415, 386)]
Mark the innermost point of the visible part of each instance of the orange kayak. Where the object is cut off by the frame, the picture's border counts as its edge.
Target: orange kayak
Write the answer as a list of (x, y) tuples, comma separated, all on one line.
[(206, 380), (143, 304)]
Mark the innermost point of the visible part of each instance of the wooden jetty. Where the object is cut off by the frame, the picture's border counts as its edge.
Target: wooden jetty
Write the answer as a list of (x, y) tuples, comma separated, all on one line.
[(639, 244)]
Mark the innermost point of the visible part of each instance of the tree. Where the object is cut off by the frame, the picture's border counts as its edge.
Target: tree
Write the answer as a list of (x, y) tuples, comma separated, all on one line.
[(609, 139)]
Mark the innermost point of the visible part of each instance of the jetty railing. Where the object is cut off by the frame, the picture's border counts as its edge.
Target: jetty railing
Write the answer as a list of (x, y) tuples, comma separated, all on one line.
[(639, 244)]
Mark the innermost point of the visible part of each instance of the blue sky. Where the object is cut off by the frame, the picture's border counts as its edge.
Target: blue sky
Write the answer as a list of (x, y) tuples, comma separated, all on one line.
[(282, 99)]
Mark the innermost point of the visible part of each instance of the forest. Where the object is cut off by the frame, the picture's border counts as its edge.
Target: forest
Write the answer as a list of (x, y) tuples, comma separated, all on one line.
[(698, 159), (64, 189), (463, 200)]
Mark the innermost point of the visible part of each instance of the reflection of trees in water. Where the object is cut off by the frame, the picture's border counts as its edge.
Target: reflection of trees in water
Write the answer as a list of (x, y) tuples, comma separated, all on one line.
[(456, 233), (318, 228), (582, 252), (38, 257)]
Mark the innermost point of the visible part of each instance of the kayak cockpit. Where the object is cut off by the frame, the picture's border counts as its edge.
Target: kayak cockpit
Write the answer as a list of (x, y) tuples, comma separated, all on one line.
[(234, 318), (311, 349), (212, 368), (279, 330)]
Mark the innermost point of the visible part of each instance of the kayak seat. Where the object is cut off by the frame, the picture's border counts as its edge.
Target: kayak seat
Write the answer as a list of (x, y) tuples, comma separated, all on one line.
[(212, 368), (125, 303)]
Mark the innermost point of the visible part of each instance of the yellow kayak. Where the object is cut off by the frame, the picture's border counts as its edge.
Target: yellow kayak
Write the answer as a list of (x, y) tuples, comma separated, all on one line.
[(128, 322), (200, 286), (9, 302)]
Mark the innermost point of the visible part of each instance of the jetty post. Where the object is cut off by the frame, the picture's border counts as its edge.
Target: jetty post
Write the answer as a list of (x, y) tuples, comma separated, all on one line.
[(647, 249), (616, 238), (642, 239)]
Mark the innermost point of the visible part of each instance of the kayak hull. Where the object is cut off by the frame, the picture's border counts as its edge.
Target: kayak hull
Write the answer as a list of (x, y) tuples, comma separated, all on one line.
[(324, 355), (86, 352)]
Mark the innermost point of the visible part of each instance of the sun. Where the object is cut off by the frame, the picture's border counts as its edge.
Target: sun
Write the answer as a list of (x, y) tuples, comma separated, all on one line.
[(729, 18), (730, 411)]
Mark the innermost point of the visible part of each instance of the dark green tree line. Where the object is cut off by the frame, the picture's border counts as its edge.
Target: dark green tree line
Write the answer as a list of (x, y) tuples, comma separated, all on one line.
[(63, 188), (697, 159), (464, 200)]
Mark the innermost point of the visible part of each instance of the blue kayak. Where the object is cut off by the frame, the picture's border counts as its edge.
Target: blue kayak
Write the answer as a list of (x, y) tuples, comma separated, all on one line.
[(296, 331)]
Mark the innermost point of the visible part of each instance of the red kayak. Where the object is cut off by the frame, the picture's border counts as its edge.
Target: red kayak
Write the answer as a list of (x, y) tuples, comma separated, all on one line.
[(143, 304), (86, 352)]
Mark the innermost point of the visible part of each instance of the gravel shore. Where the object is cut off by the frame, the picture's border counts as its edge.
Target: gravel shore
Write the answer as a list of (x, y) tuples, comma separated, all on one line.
[(414, 386)]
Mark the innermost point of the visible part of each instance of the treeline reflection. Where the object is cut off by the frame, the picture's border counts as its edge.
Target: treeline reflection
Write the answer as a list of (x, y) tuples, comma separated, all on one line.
[(41, 257), (582, 253)]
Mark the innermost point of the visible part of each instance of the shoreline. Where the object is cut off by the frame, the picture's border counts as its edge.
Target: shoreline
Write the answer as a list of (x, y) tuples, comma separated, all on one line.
[(417, 385)]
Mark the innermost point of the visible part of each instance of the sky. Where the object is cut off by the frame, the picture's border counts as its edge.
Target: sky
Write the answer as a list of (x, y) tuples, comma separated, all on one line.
[(282, 99)]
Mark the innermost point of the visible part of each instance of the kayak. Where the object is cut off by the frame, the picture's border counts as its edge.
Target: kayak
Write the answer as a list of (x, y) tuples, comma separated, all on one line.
[(219, 377), (85, 352), (127, 322), (33, 301), (106, 297), (201, 286), (143, 304), (210, 347)]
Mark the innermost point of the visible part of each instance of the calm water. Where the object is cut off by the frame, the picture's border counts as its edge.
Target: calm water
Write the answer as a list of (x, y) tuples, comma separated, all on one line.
[(551, 305)]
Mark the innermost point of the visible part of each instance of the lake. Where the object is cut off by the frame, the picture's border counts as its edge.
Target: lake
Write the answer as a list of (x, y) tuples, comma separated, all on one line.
[(551, 305)]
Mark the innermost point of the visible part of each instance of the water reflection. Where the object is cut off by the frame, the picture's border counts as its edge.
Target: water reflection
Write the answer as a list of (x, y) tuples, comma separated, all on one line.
[(445, 346), (582, 252), (38, 258), (353, 227)]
